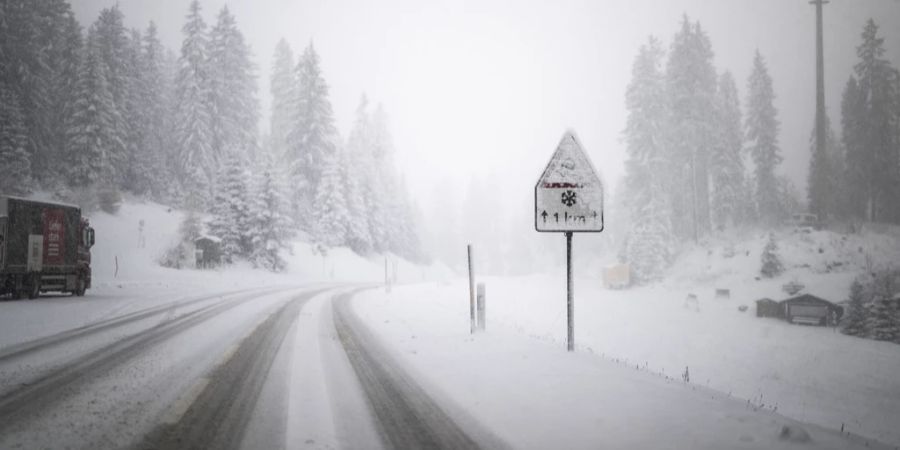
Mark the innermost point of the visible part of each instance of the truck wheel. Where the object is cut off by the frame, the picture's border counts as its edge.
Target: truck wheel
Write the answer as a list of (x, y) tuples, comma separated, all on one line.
[(79, 287), (34, 288)]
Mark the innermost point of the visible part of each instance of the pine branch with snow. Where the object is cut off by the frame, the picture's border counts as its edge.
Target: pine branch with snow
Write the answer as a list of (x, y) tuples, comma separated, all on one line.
[(771, 262)]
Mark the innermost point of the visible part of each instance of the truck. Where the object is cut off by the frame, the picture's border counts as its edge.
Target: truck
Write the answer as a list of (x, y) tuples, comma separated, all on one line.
[(44, 247)]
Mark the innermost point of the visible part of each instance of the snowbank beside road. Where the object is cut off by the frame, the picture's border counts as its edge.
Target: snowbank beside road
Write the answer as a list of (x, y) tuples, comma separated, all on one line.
[(533, 394)]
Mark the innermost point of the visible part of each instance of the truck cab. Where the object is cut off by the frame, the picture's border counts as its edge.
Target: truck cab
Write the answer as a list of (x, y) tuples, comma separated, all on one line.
[(44, 247)]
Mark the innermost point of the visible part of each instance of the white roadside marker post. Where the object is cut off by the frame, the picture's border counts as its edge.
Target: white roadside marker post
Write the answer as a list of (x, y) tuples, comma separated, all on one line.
[(568, 198), (481, 300), (471, 292)]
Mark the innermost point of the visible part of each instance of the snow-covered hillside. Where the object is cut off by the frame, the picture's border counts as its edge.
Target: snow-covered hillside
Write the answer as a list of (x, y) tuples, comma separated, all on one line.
[(813, 374), (119, 242)]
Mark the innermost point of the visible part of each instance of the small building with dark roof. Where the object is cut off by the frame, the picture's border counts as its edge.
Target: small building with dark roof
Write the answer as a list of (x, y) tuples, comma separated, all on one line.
[(208, 251), (803, 309), (766, 307), (811, 310)]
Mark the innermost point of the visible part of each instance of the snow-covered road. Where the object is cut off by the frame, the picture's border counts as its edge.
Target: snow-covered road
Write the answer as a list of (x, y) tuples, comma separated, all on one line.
[(337, 366), (171, 369), (255, 367)]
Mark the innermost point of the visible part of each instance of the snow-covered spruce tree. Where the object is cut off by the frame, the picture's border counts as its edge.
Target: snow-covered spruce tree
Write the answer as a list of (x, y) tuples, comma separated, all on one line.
[(270, 226), (230, 208), (825, 185), (762, 135), (648, 247), (193, 123), (379, 181), (726, 164), (882, 321), (855, 322), (771, 262), (356, 167), (690, 129), (330, 207), (37, 56), (404, 237), (15, 163), (181, 254), (66, 56), (312, 140), (232, 89), (92, 141), (857, 156), (156, 98), (819, 178), (117, 55), (873, 150), (281, 85), (138, 168)]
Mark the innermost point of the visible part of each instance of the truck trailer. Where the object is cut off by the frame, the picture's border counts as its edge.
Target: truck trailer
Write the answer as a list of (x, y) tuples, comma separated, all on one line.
[(44, 247)]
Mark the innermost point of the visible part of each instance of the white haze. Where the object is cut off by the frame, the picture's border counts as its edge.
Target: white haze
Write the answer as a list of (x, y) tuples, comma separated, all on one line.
[(487, 87)]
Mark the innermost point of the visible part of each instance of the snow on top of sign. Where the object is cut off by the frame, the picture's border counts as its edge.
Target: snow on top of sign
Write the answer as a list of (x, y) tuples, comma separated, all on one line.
[(570, 163)]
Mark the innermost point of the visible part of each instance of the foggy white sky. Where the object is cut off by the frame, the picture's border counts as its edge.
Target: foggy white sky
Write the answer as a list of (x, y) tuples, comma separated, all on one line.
[(489, 87)]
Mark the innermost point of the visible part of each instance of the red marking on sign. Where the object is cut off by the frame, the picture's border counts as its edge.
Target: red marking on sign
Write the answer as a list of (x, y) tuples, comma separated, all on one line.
[(54, 236), (565, 185)]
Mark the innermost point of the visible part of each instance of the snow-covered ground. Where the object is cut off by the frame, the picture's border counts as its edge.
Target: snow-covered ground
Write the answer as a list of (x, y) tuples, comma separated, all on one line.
[(622, 387), (118, 239), (813, 374)]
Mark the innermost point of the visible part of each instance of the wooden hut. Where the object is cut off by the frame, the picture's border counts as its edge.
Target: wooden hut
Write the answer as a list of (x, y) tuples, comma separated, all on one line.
[(208, 251), (811, 310)]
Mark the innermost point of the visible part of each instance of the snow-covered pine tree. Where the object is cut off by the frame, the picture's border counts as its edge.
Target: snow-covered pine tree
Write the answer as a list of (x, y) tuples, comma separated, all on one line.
[(690, 87), (788, 197), (193, 125), (408, 242), (330, 207), (156, 99), (875, 157), (232, 89), (14, 158), (66, 57), (270, 226), (839, 202), (726, 164), (825, 178), (378, 184), (857, 156), (854, 323), (883, 320), (281, 85), (771, 262), (92, 140), (648, 247), (230, 208), (312, 139), (116, 53), (182, 254), (139, 165), (356, 171), (33, 46), (762, 135)]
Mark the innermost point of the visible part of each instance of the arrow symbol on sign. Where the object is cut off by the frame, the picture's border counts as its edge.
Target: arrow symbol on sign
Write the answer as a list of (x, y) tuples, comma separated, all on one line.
[(544, 215)]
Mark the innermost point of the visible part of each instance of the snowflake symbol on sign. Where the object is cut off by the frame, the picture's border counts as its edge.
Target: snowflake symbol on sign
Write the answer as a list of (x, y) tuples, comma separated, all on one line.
[(568, 198)]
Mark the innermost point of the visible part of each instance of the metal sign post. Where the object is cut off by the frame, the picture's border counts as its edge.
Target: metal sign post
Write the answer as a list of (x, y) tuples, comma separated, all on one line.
[(568, 198)]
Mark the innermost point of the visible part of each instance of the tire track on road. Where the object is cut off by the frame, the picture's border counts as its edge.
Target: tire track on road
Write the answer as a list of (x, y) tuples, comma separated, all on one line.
[(24, 349), (219, 415), (407, 417), (27, 401)]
